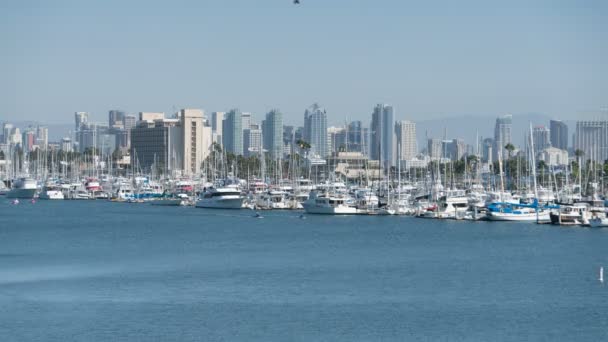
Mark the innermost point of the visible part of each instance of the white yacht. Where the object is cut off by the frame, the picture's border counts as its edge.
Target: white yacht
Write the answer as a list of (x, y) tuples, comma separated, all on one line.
[(273, 199), (221, 198), (51, 192), (23, 187), (329, 205)]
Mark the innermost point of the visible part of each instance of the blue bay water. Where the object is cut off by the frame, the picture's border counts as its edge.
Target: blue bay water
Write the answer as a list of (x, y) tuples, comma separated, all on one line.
[(102, 271)]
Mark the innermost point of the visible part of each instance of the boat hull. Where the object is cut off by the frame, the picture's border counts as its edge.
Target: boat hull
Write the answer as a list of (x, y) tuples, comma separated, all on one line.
[(497, 216), (229, 203), (21, 193)]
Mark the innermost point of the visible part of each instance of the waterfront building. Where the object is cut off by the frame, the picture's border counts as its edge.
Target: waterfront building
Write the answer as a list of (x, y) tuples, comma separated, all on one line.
[(196, 140), (502, 136), (156, 146), (272, 132), (591, 137), (232, 132), (382, 138), (559, 134), (553, 156), (407, 147), (315, 130)]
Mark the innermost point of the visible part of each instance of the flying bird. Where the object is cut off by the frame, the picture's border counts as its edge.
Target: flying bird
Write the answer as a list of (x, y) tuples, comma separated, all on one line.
[(297, 2)]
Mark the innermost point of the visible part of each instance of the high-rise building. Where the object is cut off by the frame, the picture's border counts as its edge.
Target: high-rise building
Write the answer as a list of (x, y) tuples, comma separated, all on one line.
[(42, 137), (247, 120), (66, 145), (157, 146), (116, 119), (591, 137), (354, 136), (454, 149), (337, 139), (216, 126), (129, 122), (272, 133), (407, 147), (151, 116), (252, 140), (559, 134), (486, 150), (196, 140), (435, 149), (28, 140), (315, 130), (383, 135), (502, 136), (232, 132), (80, 119), (7, 131), (540, 138)]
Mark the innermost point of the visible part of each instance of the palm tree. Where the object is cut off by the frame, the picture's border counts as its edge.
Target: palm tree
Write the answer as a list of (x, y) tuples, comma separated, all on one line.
[(509, 147)]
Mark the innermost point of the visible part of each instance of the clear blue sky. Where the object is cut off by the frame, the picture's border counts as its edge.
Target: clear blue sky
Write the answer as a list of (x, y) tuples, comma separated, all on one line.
[(427, 58)]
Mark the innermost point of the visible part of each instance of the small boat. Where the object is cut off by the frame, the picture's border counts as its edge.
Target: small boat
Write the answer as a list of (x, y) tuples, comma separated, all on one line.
[(601, 279), (598, 222)]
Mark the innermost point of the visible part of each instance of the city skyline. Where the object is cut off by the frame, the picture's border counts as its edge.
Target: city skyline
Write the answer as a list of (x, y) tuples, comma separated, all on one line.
[(549, 63)]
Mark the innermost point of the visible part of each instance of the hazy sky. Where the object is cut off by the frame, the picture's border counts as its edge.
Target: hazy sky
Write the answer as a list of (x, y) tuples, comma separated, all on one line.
[(427, 58)]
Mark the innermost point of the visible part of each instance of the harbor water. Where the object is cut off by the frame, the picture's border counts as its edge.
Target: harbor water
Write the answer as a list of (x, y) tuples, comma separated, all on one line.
[(104, 271)]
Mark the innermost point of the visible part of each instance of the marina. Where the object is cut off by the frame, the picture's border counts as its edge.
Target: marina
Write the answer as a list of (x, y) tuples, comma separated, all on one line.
[(81, 269)]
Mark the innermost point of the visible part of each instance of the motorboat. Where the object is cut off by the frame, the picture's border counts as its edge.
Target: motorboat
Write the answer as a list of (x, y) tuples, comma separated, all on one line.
[(221, 198), (23, 187), (329, 205)]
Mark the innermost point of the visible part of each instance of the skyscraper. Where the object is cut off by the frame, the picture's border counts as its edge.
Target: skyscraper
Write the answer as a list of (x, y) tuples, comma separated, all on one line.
[(541, 139), (559, 134), (502, 136), (272, 133), (355, 136), (247, 120), (216, 126), (315, 130), (80, 119), (196, 140), (406, 140), (116, 119), (591, 137), (435, 148), (383, 135), (42, 137), (232, 132), (252, 140)]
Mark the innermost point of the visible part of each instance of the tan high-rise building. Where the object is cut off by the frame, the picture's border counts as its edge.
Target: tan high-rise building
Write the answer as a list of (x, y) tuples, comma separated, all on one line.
[(197, 139)]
